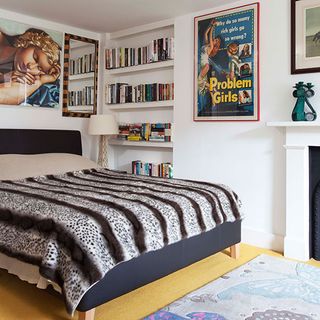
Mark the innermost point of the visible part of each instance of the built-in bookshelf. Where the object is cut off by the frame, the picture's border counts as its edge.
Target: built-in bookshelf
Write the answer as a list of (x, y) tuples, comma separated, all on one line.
[(140, 144), (119, 107), (156, 70), (143, 67)]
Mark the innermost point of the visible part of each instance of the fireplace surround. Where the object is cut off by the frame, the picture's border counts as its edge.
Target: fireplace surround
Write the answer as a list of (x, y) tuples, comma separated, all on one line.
[(300, 137)]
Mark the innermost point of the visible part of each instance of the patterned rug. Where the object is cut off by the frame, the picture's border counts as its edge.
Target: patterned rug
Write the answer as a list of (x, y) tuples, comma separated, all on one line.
[(266, 288)]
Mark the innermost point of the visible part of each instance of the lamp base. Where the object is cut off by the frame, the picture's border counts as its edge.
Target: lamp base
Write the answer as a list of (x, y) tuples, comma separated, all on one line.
[(103, 155)]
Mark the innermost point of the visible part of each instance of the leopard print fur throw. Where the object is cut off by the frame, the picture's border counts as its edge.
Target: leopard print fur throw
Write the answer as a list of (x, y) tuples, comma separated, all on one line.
[(79, 225)]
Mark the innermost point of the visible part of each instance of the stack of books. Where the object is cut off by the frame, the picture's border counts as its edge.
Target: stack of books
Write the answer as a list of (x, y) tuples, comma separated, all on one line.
[(84, 97), (159, 132), (82, 64), (164, 170), (157, 50), (124, 93), (124, 131), (135, 132)]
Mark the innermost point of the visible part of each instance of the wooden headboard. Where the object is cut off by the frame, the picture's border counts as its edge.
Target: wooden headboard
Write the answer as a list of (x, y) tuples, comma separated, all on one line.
[(33, 141)]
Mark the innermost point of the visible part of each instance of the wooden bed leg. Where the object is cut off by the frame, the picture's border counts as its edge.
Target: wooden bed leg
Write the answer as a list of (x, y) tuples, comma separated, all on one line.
[(235, 251), (88, 315)]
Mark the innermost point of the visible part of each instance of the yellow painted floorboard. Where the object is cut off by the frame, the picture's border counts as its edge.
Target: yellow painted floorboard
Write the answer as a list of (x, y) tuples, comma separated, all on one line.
[(22, 301)]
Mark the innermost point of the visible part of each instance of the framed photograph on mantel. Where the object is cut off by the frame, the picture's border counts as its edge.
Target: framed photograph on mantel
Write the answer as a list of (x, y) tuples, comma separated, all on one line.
[(226, 67), (305, 36)]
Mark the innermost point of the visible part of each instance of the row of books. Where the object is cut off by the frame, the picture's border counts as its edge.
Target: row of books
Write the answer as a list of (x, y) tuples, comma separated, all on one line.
[(124, 93), (84, 97), (159, 132), (82, 64), (157, 50), (164, 170)]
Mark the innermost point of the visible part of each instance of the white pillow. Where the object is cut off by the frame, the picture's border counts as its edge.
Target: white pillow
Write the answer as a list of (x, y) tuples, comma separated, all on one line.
[(19, 166)]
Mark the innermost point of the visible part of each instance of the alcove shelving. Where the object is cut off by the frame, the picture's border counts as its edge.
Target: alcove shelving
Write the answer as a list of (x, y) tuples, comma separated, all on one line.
[(123, 151)]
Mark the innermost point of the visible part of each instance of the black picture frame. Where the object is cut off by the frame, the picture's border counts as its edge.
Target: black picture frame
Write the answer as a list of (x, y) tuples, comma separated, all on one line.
[(299, 63)]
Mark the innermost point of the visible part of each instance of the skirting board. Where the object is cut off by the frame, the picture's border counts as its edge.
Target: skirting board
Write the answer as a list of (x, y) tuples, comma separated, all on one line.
[(262, 239)]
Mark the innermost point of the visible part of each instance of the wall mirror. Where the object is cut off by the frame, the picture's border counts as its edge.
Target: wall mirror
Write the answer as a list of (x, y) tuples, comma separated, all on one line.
[(80, 76)]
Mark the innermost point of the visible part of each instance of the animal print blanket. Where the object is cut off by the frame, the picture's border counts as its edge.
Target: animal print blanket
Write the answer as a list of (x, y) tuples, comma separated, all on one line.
[(78, 225)]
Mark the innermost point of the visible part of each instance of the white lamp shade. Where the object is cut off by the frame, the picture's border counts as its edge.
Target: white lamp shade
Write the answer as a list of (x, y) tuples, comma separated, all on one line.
[(103, 124)]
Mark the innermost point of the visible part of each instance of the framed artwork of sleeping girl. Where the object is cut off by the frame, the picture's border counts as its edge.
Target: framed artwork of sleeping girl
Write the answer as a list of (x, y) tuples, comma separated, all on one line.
[(30, 67)]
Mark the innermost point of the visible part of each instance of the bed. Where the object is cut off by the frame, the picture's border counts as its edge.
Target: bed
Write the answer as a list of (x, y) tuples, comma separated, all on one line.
[(143, 268)]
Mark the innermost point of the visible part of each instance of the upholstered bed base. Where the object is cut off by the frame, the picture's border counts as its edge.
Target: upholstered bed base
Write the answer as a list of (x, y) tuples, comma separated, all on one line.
[(154, 265)]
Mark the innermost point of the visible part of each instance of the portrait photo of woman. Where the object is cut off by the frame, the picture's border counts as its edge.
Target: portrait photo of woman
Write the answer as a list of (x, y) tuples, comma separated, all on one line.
[(245, 51), (30, 66)]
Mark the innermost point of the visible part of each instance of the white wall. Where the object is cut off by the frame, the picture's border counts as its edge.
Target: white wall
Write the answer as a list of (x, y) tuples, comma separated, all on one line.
[(247, 156), (46, 118)]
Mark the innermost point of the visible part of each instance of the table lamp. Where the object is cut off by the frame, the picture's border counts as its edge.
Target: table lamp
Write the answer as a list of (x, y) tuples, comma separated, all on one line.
[(103, 125)]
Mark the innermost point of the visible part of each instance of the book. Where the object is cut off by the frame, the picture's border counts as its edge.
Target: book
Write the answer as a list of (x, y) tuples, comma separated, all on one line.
[(84, 97), (156, 132), (156, 50), (149, 92), (164, 170), (83, 64)]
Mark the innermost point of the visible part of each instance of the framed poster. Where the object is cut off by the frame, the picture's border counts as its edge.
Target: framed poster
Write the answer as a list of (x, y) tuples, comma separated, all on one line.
[(305, 36), (30, 66), (226, 68)]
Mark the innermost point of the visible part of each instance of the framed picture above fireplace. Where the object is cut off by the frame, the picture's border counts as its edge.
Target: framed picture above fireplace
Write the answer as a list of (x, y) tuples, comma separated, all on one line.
[(305, 36)]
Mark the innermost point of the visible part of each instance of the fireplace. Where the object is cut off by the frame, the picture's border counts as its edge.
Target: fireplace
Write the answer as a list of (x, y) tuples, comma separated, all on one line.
[(314, 196), (300, 139)]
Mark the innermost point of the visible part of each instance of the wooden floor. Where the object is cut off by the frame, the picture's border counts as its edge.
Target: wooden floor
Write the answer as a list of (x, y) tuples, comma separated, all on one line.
[(19, 300)]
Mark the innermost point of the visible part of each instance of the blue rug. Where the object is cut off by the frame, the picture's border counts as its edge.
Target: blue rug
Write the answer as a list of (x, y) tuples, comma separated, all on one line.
[(266, 288)]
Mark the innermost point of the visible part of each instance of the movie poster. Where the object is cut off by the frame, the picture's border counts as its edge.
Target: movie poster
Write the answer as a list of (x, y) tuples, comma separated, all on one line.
[(30, 67), (226, 65)]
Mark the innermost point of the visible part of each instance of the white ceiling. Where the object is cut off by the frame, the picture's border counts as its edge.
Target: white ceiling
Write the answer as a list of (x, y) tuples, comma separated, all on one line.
[(107, 15)]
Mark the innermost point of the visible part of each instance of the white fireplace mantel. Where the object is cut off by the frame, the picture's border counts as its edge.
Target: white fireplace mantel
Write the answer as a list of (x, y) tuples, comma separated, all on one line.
[(299, 136), (294, 124)]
